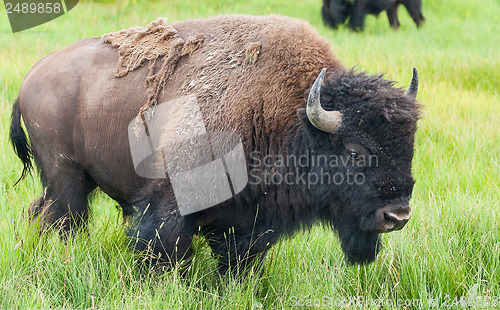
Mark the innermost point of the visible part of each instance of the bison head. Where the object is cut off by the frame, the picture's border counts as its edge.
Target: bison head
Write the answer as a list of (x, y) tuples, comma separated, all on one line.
[(335, 12), (368, 127)]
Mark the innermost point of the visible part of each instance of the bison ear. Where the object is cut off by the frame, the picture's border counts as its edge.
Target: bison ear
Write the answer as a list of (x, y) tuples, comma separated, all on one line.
[(302, 114)]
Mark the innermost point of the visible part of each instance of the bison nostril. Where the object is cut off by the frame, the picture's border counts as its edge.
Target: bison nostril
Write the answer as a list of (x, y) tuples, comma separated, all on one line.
[(394, 221), (392, 217), (388, 218)]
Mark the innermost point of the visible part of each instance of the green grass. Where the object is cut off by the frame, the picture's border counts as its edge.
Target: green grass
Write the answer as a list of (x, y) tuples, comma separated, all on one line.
[(450, 248)]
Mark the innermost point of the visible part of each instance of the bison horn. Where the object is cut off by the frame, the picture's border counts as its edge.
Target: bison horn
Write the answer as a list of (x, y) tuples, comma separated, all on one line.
[(413, 88), (328, 121)]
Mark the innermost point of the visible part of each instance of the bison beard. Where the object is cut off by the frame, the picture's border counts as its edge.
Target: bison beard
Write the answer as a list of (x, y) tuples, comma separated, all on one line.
[(251, 76), (359, 246)]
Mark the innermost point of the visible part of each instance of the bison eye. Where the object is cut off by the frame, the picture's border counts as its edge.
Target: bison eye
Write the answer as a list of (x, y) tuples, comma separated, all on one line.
[(354, 155), (356, 151)]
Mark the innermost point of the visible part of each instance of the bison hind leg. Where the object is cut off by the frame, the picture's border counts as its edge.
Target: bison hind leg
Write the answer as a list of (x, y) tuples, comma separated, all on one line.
[(64, 202)]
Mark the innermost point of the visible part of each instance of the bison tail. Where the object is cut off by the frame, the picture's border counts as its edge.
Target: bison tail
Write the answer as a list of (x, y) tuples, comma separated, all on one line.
[(19, 141)]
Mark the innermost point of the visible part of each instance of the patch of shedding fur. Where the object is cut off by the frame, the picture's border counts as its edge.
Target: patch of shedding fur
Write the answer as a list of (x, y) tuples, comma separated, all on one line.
[(252, 51), (157, 41)]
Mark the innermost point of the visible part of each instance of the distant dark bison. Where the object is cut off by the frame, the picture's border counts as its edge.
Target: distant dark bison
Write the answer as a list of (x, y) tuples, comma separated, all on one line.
[(336, 12), (332, 146)]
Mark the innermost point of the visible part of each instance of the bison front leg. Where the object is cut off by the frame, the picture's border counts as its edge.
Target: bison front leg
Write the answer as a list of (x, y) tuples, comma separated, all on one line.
[(392, 14), (357, 19), (240, 252), (163, 237), (327, 18), (414, 7)]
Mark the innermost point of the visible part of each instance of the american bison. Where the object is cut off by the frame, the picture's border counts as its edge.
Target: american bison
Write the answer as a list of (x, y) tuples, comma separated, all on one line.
[(320, 145), (336, 12)]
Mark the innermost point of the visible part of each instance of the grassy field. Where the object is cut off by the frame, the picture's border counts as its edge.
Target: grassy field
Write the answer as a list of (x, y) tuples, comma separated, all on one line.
[(449, 251)]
